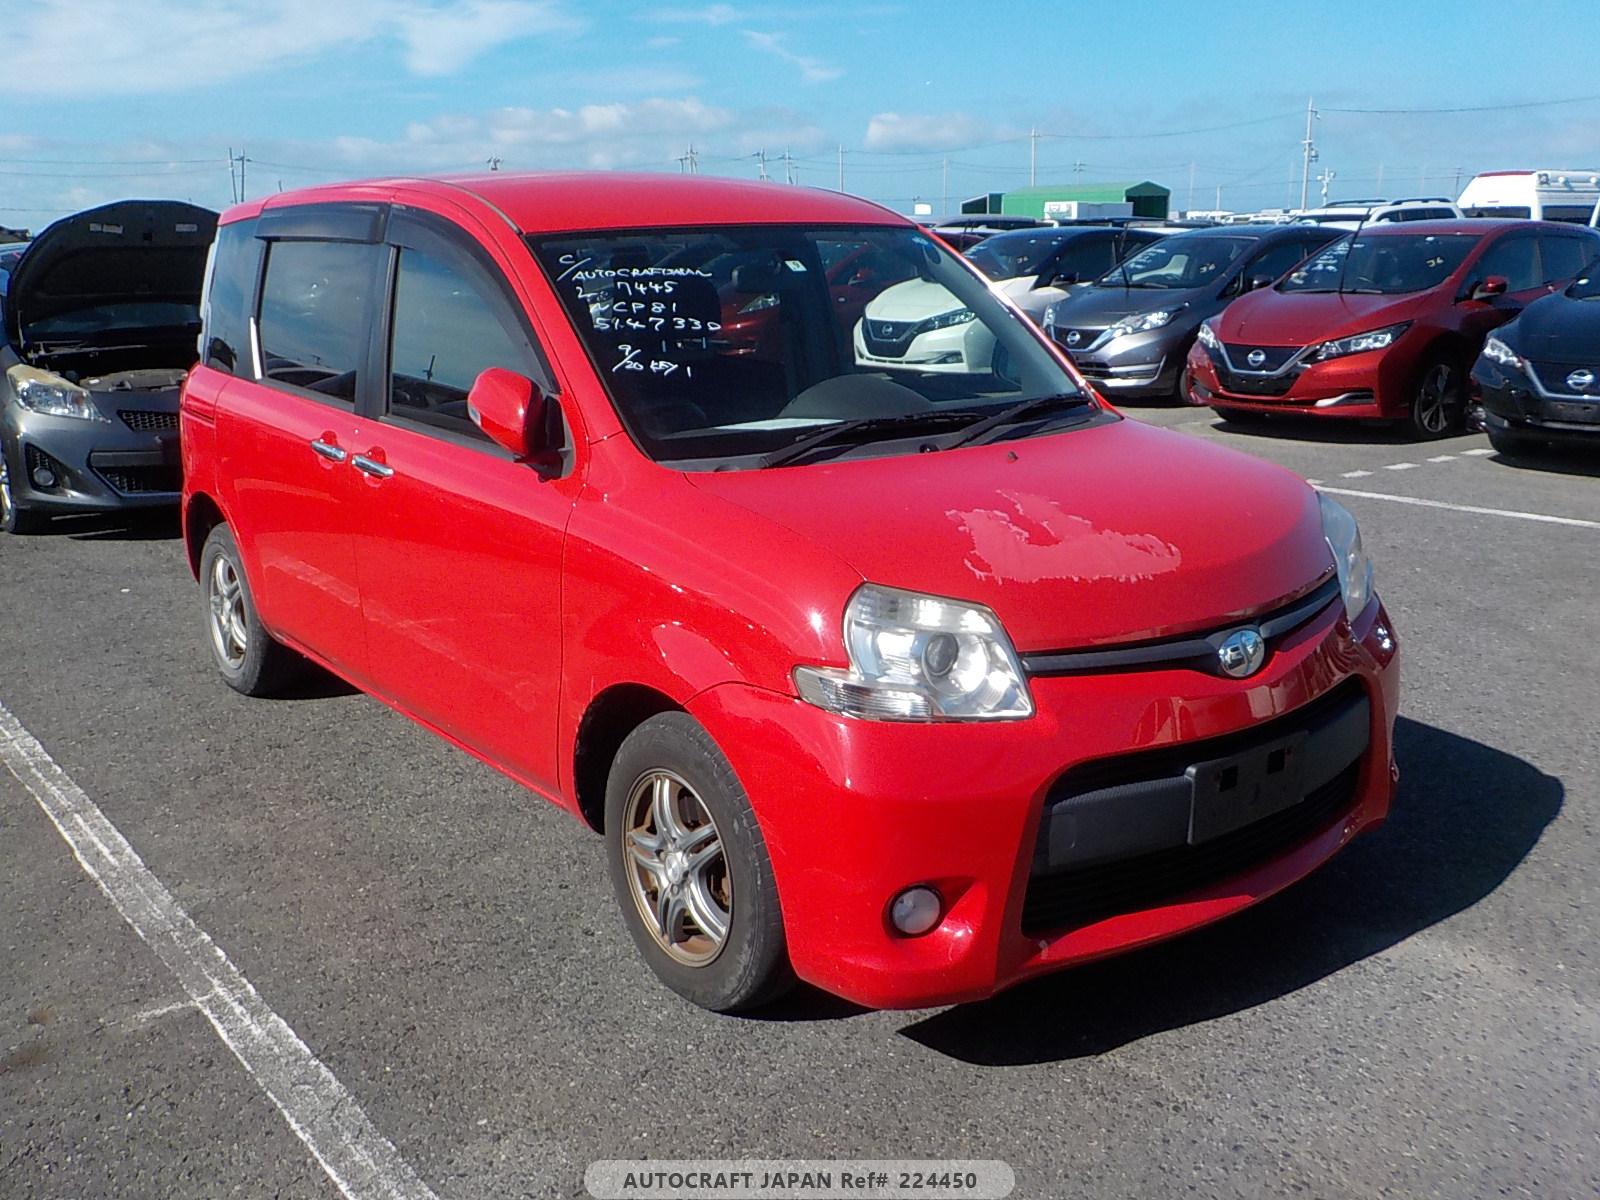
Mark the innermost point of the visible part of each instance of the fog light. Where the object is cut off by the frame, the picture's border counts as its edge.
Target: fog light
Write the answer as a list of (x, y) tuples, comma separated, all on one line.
[(915, 911), (1385, 639), (44, 477)]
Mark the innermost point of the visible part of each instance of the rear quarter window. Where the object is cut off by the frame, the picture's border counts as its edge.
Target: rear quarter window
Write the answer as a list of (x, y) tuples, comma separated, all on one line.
[(225, 344)]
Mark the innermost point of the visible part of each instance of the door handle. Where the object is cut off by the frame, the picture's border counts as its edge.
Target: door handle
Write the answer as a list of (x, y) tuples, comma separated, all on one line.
[(329, 451), (371, 466)]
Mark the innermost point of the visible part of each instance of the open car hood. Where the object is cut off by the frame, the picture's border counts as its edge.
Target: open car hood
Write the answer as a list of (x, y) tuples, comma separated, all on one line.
[(126, 252)]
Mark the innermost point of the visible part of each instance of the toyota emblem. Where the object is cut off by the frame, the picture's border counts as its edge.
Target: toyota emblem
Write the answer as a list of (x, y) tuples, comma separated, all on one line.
[(1241, 653), (1074, 337), (1256, 357), (1581, 380)]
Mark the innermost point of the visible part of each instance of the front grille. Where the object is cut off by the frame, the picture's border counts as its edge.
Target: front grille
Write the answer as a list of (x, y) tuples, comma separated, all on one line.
[(145, 421), (1060, 899), (1273, 357), (1554, 377), (1075, 898), (888, 339), (141, 481), (1085, 337), (1254, 385)]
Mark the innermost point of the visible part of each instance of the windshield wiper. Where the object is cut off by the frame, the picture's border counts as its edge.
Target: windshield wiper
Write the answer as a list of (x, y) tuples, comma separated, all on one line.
[(1014, 412), (862, 425)]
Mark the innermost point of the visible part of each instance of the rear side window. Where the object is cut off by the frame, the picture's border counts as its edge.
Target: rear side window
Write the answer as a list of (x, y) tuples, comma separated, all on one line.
[(313, 322), (446, 333), (1565, 257), (1515, 258), (226, 345)]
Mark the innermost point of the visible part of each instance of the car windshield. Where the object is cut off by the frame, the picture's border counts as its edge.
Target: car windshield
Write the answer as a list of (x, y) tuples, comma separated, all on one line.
[(1587, 285), (721, 346), (1386, 265), (1181, 262), (107, 318), (1009, 255)]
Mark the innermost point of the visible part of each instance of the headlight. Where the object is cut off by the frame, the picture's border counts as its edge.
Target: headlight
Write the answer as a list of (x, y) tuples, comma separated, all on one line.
[(50, 395), (944, 320), (1349, 559), (1143, 322), (1497, 351), (920, 658), (1208, 337), (1376, 339)]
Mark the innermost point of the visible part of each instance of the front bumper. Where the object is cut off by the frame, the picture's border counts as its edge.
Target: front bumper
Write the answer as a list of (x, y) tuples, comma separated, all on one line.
[(854, 811), (1512, 400), (125, 462), (1365, 386), (1145, 364)]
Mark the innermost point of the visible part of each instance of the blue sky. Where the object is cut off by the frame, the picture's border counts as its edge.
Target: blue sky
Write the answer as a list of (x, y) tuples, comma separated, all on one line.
[(102, 99)]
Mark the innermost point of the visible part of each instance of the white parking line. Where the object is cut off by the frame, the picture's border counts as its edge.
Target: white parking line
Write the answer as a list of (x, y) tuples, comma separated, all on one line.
[(1401, 467), (1546, 518), (1477, 451), (1355, 474), (361, 1162), (1443, 458)]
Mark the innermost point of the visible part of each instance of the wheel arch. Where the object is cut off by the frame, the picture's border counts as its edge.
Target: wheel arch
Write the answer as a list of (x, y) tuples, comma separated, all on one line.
[(201, 514), (614, 713)]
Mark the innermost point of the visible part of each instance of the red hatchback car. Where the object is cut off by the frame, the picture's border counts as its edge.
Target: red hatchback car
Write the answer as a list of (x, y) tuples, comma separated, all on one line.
[(911, 684), (1385, 323)]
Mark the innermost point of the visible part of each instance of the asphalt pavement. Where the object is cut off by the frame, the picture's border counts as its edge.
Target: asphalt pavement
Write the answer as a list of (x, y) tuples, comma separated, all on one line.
[(1419, 1018)]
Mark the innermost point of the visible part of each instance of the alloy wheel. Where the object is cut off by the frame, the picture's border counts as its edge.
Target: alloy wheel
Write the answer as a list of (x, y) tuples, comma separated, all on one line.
[(676, 869), (225, 595), (1433, 403)]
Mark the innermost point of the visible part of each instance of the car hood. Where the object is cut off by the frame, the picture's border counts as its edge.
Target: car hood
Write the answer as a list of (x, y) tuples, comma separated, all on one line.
[(1273, 318), (912, 300), (1095, 307), (1048, 532), (133, 250), (1558, 329)]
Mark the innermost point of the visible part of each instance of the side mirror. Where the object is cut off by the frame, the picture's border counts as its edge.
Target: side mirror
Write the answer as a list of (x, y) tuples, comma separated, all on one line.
[(517, 415), (1494, 285), (1059, 279), (1256, 282)]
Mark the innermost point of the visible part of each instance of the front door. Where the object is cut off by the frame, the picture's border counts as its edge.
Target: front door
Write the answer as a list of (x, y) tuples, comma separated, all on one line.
[(458, 545)]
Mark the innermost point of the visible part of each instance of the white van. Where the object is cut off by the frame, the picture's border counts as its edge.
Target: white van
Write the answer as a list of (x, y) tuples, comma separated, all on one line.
[(1550, 195)]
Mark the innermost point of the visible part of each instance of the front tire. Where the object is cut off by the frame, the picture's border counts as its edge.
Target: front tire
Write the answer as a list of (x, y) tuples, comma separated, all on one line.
[(249, 659), (690, 868), (1439, 406), (13, 519)]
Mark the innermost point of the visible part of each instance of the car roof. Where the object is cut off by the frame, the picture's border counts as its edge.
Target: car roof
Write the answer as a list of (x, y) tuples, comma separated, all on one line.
[(1052, 233), (1474, 225), (1261, 232), (574, 201)]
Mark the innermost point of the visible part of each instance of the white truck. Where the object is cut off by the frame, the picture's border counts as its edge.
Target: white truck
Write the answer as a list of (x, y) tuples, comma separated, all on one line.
[(1543, 195)]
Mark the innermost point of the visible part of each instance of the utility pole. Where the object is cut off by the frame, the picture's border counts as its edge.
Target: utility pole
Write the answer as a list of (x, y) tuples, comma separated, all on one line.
[(689, 162), (788, 168), (233, 180), (494, 161), (1457, 191), (761, 164), (1033, 156), (1190, 205), (945, 204), (1308, 153), (241, 160), (1079, 167), (1325, 177), (1219, 197), (841, 166)]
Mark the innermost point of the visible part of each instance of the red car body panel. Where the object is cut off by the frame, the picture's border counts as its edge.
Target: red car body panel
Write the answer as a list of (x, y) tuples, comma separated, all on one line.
[(498, 608), (1443, 323)]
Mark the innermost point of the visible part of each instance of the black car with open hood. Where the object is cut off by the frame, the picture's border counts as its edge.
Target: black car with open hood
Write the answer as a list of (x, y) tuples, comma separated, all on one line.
[(97, 330)]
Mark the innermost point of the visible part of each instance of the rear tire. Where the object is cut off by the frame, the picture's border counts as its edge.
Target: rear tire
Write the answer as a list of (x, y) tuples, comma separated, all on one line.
[(249, 658), (14, 519), (690, 868)]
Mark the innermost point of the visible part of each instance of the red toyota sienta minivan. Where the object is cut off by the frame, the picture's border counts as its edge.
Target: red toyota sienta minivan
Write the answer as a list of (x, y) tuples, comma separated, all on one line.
[(911, 682)]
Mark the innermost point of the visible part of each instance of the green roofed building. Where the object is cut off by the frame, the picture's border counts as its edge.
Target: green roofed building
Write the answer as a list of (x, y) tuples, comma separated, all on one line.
[(1147, 200)]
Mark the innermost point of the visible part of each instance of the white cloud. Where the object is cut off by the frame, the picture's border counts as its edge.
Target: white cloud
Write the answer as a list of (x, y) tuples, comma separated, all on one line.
[(926, 131), (94, 47), (812, 70)]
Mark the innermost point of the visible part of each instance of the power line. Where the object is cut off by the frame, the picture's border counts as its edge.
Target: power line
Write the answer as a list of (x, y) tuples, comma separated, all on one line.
[(1477, 108)]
